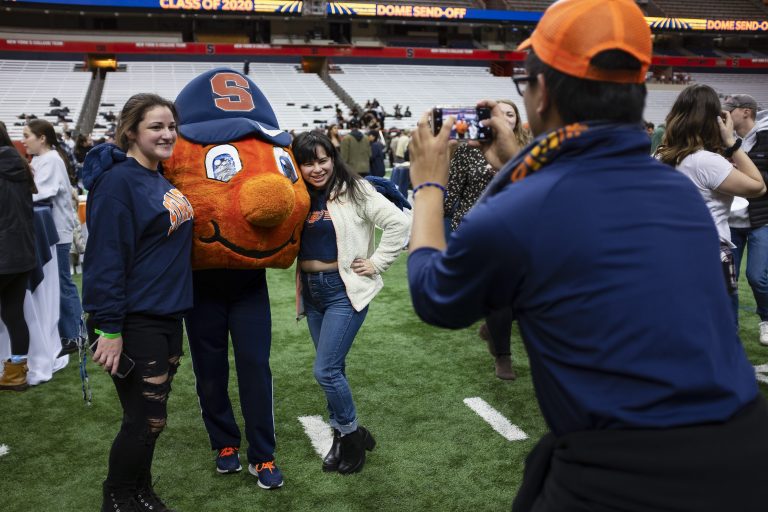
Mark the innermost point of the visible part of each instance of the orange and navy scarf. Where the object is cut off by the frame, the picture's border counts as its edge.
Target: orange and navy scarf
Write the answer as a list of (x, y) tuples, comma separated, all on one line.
[(545, 149)]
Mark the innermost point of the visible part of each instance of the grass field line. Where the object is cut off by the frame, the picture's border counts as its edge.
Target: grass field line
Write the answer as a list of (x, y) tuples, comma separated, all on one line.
[(760, 373), (4, 449), (495, 419), (319, 433)]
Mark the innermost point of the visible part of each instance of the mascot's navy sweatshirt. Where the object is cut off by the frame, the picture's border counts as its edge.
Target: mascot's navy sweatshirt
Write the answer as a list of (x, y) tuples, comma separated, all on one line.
[(138, 257)]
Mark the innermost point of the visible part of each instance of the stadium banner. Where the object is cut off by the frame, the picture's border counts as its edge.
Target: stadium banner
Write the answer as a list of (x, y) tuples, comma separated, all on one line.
[(387, 52), (351, 9)]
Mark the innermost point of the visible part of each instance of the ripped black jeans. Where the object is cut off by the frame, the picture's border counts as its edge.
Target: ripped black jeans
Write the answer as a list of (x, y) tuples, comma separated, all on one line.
[(155, 344)]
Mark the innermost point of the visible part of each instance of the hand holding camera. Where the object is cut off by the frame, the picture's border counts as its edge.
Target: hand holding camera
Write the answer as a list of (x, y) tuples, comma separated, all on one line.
[(468, 122), (502, 144)]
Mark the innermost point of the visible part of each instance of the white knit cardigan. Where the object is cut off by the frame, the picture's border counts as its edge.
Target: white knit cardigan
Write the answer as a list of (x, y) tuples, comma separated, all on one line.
[(355, 236)]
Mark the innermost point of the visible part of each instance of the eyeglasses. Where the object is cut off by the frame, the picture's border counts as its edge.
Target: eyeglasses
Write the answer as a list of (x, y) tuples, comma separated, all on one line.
[(521, 82)]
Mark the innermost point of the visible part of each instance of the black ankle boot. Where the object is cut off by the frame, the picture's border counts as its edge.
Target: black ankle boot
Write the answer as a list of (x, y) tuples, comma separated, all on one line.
[(145, 496), (331, 460), (353, 448), (146, 499), (117, 500)]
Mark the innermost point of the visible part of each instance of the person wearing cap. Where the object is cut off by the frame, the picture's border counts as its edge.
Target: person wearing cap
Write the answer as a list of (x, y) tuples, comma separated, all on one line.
[(749, 224), (698, 142), (609, 262), (234, 164), (136, 288)]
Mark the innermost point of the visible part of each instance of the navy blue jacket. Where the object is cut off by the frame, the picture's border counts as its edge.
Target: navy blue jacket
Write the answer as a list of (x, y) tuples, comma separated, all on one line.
[(377, 159), (610, 263), (138, 257)]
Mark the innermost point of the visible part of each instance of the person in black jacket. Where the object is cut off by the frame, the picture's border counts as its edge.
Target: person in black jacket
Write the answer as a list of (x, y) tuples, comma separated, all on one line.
[(17, 257), (749, 225)]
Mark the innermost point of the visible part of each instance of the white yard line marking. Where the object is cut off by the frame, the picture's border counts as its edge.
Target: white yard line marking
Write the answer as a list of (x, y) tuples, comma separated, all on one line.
[(760, 373), (319, 433), (495, 419), (4, 450)]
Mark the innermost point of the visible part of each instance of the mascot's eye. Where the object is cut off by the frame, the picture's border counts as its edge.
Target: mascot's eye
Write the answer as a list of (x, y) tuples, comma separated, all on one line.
[(222, 163), (285, 164)]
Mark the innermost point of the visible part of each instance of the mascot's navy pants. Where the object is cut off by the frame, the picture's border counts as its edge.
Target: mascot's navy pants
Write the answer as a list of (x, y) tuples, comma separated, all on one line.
[(233, 302)]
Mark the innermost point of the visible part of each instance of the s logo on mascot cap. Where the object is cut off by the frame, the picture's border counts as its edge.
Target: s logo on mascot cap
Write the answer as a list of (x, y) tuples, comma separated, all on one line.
[(233, 163)]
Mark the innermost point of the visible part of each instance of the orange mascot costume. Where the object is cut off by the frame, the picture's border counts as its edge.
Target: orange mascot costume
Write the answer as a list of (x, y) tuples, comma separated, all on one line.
[(235, 166)]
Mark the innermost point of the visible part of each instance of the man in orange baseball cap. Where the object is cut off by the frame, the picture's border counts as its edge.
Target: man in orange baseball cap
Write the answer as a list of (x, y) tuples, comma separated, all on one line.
[(609, 262)]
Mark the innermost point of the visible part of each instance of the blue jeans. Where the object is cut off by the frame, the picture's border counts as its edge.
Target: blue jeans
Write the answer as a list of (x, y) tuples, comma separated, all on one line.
[(756, 243), (70, 308), (333, 325)]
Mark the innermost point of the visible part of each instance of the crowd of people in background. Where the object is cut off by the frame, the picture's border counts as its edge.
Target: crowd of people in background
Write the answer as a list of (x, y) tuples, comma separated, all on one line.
[(493, 238)]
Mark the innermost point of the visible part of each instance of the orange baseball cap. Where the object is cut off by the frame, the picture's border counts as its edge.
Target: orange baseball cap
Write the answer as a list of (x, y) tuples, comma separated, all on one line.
[(571, 32)]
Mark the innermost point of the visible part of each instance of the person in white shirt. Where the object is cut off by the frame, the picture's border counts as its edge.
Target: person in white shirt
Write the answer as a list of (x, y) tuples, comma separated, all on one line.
[(698, 141), (51, 169)]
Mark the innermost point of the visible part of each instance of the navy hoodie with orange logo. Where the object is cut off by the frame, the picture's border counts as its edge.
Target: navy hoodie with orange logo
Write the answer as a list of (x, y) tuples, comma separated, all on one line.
[(138, 257)]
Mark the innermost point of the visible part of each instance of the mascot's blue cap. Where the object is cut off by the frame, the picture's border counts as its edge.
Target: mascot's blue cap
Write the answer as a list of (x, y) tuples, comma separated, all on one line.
[(223, 105)]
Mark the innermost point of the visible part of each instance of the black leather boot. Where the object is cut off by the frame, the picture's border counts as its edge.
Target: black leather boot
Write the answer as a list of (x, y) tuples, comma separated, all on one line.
[(331, 460), (353, 448), (118, 500), (145, 496), (146, 499)]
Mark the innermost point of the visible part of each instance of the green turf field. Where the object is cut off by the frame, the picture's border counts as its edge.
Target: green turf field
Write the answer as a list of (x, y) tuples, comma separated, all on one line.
[(409, 381)]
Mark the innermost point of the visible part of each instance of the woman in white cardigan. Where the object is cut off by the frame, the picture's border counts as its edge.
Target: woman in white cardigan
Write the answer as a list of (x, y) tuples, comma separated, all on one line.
[(340, 273)]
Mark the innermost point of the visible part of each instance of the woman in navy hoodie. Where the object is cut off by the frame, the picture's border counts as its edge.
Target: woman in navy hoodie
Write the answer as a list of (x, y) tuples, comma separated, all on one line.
[(136, 286)]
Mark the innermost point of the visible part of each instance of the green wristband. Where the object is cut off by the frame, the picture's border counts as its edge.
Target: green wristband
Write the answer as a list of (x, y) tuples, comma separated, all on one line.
[(109, 336)]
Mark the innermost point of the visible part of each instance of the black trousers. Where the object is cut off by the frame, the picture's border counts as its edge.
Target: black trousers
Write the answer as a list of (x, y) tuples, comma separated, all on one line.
[(703, 468), (499, 324), (13, 288), (155, 344)]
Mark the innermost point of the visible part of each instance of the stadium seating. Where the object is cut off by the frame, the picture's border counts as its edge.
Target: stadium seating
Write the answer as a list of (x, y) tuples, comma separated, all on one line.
[(716, 9), (28, 86), (280, 83), (422, 87), (726, 83)]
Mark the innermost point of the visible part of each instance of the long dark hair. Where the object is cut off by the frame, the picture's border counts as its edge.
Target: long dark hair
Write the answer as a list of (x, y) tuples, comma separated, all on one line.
[(40, 128), (691, 125), (5, 141), (344, 179)]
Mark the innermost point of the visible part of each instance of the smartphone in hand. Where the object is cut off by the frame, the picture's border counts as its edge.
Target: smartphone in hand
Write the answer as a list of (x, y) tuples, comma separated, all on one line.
[(125, 364), (467, 122)]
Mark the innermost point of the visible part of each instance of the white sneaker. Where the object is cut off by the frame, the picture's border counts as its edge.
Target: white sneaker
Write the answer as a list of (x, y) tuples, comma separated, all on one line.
[(764, 333)]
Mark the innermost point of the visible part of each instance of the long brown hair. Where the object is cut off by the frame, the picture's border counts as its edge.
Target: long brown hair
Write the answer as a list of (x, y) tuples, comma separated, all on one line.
[(691, 125), (521, 134), (42, 128), (133, 113), (5, 140)]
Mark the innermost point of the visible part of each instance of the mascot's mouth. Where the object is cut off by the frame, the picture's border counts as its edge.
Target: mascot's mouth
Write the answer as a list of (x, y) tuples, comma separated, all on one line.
[(249, 253)]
